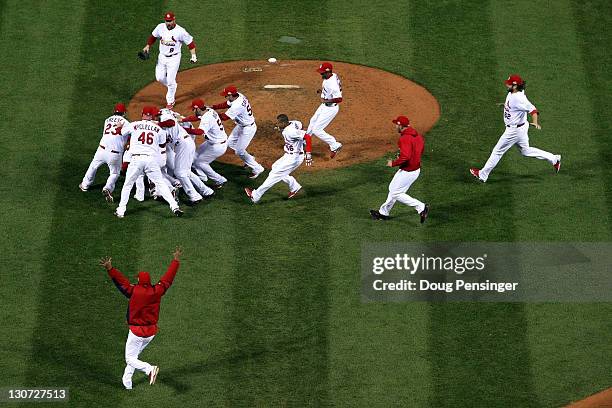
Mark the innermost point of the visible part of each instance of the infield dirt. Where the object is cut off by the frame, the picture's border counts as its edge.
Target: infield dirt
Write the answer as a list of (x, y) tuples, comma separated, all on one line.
[(372, 97)]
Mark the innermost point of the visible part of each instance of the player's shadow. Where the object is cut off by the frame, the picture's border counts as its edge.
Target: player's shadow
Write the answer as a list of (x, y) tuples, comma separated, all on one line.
[(176, 378)]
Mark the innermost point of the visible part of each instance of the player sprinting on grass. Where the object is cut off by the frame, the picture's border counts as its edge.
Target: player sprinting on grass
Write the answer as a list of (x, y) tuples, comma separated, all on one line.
[(142, 315), (298, 145)]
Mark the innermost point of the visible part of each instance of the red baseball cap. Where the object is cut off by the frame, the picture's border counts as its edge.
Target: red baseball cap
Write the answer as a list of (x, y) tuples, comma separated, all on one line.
[(229, 90), (150, 110), (120, 108), (169, 16), (514, 80), (401, 120), (197, 103), (325, 67)]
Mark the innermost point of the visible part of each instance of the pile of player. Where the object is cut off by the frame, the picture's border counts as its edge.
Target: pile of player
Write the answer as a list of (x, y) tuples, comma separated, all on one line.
[(161, 149)]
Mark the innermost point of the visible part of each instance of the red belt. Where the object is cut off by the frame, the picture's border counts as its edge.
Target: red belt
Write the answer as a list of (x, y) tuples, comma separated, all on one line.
[(112, 151)]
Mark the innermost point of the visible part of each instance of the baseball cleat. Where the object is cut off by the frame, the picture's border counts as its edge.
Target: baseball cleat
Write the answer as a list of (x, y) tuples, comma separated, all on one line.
[(256, 174), (557, 165), (334, 153), (293, 193), (476, 173), (178, 212), (376, 215), (208, 196), (218, 185), (107, 196), (153, 375), (118, 215), (194, 202), (249, 193), (82, 188), (424, 213)]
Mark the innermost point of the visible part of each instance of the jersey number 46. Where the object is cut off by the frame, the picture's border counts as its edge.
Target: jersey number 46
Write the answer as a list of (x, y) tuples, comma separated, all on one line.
[(146, 138)]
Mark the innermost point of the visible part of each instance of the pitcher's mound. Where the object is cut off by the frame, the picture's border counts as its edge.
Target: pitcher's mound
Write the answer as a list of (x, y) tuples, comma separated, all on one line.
[(372, 98)]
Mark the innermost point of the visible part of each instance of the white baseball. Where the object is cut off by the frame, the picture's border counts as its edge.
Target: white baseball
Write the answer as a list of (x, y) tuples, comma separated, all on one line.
[(271, 60)]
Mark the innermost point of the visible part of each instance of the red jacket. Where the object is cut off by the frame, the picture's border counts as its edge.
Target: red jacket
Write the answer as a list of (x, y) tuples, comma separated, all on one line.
[(143, 308), (411, 145)]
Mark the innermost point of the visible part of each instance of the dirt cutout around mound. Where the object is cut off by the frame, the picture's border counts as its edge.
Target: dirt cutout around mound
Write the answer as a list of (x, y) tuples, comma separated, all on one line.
[(372, 98), (600, 400)]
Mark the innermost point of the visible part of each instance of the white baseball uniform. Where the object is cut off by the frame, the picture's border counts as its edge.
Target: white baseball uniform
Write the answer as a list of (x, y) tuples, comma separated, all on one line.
[(516, 108), (146, 137), (241, 113), (169, 59), (183, 145), (214, 146), (291, 160), (331, 88), (110, 152)]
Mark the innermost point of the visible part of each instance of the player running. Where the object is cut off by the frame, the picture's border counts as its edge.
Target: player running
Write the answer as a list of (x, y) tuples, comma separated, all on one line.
[(298, 146), (516, 108), (239, 110), (331, 96), (171, 37), (411, 145)]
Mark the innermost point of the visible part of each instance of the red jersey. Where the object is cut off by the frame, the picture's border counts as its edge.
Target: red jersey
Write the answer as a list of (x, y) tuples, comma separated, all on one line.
[(411, 145), (143, 308)]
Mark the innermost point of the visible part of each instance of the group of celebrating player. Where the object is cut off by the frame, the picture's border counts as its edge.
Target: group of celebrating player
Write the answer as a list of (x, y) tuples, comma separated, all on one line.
[(162, 147)]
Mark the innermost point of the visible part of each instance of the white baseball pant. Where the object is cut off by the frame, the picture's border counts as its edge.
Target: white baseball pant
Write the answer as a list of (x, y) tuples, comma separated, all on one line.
[(133, 347), (509, 138), (165, 73), (183, 160), (207, 153), (149, 166), (398, 187), (140, 187), (112, 160), (320, 120), (239, 140), (169, 180), (281, 170)]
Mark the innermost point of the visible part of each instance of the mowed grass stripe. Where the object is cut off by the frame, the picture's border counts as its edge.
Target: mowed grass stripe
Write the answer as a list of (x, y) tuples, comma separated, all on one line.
[(368, 340), (592, 19), (80, 333), (279, 306), (474, 359), (549, 209), (31, 72), (554, 208)]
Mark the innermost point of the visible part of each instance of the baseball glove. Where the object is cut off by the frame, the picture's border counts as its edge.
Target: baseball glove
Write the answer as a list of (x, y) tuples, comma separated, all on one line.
[(143, 55)]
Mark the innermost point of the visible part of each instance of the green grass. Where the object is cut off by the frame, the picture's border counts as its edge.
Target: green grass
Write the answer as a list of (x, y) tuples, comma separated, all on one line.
[(266, 310)]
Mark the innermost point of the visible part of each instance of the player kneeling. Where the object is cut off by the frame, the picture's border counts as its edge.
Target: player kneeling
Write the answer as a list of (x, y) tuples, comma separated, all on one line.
[(295, 154)]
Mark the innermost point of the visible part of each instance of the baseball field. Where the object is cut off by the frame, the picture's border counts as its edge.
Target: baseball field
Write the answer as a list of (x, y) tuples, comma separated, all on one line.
[(266, 309)]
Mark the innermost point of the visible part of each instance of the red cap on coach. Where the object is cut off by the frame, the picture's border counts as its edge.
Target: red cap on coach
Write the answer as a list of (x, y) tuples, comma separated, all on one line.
[(197, 103), (325, 67), (401, 120), (514, 80), (119, 108), (169, 16), (229, 90)]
